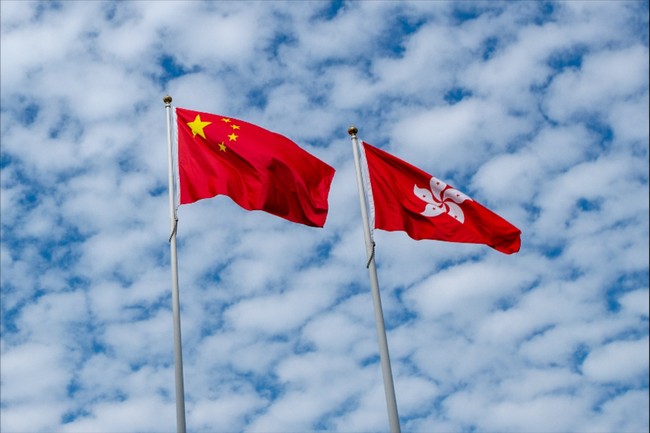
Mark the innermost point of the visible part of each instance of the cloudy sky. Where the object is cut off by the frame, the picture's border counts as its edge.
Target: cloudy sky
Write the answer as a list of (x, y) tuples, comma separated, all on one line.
[(538, 110)]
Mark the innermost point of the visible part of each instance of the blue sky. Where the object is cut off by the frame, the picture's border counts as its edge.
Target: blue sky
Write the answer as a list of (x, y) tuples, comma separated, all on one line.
[(538, 110)]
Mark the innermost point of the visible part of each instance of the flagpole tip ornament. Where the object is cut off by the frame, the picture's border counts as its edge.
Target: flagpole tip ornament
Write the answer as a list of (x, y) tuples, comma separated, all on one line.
[(352, 130), (167, 100)]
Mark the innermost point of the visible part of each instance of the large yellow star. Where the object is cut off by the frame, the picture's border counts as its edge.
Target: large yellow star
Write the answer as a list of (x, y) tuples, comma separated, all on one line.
[(197, 126)]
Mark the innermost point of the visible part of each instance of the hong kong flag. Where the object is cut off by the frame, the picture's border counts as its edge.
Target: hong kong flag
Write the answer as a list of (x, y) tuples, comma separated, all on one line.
[(406, 198), (257, 168)]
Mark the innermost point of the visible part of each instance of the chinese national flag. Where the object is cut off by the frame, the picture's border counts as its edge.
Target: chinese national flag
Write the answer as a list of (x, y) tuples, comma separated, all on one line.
[(258, 169), (408, 199)]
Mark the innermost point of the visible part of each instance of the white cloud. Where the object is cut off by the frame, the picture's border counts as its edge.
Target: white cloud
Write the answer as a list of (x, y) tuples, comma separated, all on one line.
[(604, 77), (626, 412), (636, 302), (33, 385), (618, 361)]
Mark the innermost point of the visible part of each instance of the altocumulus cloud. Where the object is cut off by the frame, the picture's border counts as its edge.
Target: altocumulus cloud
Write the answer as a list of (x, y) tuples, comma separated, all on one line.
[(539, 110)]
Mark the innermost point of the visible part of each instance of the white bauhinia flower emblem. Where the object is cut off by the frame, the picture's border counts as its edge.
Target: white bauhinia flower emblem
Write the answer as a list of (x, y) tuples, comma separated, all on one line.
[(441, 198)]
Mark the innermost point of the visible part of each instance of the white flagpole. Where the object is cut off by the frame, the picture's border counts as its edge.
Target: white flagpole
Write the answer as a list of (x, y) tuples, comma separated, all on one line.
[(178, 349), (391, 402)]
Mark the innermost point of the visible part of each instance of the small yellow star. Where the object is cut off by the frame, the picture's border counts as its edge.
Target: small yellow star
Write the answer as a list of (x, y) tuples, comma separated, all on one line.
[(197, 126), (234, 127), (232, 137), (225, 119), (222, 147)]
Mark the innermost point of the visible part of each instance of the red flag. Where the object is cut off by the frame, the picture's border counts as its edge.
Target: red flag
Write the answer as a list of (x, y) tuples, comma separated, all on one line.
[(258, 169), (408, 199)]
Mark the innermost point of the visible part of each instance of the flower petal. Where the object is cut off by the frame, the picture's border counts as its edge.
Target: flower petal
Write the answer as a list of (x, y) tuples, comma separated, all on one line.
[(437, 186), (423, 194), (455, 195), (455, 211), (432, 210)]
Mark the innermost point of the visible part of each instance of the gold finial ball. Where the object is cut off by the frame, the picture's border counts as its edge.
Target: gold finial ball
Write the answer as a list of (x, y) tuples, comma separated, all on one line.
[(352, 130), (167, 99)]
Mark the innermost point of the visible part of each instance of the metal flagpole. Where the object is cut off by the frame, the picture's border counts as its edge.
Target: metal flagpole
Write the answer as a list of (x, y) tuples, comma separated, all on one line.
[(178, 350), (391, 402)]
